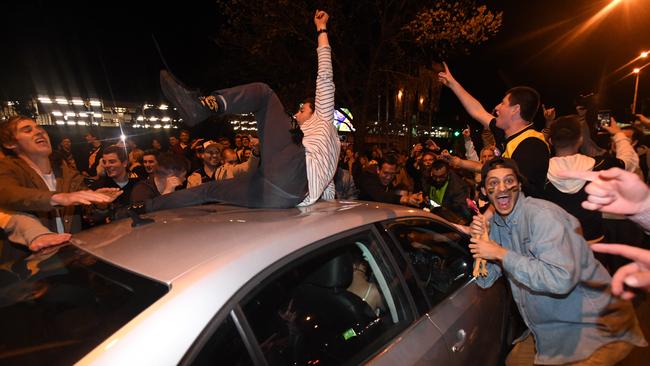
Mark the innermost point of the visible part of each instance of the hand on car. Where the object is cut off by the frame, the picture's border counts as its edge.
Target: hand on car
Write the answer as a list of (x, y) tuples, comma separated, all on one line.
[(415, 199), (48, 240)]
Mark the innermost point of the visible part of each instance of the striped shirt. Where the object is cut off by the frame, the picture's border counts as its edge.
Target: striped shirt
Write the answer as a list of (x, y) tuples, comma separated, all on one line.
[(321, 141)]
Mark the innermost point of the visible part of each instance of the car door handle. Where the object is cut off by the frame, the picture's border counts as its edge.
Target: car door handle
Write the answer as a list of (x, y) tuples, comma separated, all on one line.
[(460, 336)]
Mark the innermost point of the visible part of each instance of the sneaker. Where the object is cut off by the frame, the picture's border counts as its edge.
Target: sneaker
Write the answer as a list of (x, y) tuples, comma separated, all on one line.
[(192, 107)]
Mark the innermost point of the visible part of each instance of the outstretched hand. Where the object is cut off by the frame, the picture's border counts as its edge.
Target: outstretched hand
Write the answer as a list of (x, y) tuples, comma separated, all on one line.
[(320, 19), (635, 274), (445, 77), (113, 193), (614, 190), (643, 119), (84, 197), (48, 240)]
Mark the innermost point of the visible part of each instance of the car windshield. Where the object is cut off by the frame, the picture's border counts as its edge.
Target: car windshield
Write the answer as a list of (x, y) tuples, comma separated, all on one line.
[(58, 305)]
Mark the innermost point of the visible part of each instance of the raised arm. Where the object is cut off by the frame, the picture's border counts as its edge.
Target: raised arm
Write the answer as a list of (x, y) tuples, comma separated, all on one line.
[(470, 150), (325, 79), (472, 106), (624, 149)]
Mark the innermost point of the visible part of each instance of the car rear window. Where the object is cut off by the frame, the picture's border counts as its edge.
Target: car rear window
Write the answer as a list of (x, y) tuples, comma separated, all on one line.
[(58, 305)]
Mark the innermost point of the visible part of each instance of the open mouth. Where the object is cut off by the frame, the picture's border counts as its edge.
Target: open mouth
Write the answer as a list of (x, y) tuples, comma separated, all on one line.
[(41, 140), (503, 202)]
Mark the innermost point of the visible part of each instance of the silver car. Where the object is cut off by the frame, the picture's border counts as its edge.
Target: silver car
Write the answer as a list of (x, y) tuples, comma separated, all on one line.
[(331, 284)]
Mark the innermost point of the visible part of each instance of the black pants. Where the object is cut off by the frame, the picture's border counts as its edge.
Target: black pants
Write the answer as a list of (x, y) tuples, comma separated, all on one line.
[(281, 179)]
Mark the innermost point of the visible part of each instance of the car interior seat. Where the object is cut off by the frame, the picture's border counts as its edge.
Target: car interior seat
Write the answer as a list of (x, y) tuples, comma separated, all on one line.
[(331, 321)]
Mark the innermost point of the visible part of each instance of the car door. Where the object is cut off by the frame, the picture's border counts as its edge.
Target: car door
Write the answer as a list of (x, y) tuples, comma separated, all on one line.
[(306, 311), (471, 319)]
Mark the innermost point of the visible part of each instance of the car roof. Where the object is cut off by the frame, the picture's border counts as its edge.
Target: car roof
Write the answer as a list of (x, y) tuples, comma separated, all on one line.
[(182, 239)]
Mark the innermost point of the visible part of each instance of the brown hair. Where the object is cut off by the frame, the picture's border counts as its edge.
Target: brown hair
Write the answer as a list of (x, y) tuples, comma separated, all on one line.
[(8, 131), (565, 131), (117, 150)]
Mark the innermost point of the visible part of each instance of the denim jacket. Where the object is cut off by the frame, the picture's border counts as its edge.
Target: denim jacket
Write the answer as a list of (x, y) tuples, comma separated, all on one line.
[(561, 290)]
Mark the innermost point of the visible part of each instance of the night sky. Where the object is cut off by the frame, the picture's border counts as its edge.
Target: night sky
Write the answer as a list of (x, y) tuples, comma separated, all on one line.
[(108, 50)]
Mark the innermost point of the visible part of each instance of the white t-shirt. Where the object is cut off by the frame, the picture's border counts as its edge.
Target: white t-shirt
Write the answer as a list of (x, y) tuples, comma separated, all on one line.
[(50, 181)]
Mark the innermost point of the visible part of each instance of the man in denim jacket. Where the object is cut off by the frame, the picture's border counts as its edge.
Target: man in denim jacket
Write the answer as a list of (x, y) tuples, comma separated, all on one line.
[(561, 290)]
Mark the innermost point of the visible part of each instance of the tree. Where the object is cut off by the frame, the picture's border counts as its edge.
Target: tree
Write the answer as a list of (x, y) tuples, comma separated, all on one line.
[(453, 27), (377, 45)]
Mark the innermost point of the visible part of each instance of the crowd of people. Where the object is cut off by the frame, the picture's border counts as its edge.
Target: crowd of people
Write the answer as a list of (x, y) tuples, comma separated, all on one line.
[(546, 199)]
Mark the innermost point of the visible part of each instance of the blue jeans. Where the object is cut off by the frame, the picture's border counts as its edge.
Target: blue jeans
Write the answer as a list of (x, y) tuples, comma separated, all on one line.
[(281, 179)]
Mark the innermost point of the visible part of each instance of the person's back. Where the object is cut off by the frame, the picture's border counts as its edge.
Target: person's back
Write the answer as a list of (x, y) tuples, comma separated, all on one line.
[(566, 136)]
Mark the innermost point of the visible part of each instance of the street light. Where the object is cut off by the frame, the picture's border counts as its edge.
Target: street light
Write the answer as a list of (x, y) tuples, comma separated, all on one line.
[(642, 55), (637, 71)]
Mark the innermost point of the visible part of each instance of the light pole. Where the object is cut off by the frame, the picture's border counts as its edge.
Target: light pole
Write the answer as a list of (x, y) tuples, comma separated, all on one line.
[(637, 71)]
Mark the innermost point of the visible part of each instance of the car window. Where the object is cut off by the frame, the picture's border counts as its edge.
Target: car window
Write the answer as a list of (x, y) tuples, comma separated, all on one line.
[(337, 306), (437, 254), (60, 303), (224, 347)]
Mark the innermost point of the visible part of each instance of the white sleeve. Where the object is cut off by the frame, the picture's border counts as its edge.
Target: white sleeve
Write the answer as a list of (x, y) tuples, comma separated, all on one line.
[(470, 151), (625, 152), (330, 192)]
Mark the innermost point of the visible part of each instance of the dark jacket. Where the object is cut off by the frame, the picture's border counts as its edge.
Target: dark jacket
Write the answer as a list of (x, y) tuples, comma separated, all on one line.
[(144, 190), (371, 189), (125, 198), (455, 198)]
